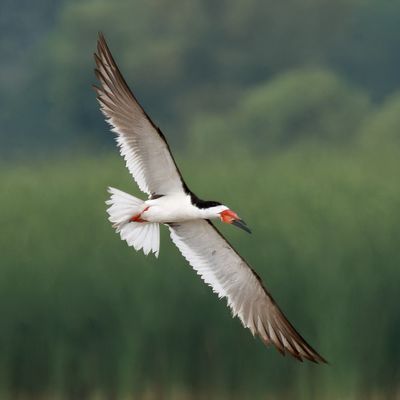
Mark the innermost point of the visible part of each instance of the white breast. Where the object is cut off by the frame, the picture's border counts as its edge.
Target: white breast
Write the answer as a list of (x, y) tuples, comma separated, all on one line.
[(171, 208)]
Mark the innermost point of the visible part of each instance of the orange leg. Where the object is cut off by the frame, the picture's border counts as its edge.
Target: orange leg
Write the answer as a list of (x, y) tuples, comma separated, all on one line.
[(137, 218)]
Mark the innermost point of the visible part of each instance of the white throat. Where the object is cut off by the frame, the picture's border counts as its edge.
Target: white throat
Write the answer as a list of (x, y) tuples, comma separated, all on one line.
[(213, 212)]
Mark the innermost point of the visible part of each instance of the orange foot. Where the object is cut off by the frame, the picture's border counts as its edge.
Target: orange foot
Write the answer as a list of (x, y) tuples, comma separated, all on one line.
[(137, 217)]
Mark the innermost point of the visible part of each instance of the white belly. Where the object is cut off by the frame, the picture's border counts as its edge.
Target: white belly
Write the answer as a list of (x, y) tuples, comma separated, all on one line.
[(171, 208)]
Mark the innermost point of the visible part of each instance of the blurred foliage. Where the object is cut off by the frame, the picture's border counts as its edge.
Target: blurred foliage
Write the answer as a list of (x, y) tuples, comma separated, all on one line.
[(381, 129), (298, 106), (82, 313), (186, 59)]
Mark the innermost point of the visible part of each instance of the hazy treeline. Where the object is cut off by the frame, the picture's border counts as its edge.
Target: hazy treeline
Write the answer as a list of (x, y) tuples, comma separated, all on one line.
[(183, 58)]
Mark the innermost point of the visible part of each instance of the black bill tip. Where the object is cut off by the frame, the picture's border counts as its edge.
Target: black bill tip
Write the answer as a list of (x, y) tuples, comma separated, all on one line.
[(242, 225)]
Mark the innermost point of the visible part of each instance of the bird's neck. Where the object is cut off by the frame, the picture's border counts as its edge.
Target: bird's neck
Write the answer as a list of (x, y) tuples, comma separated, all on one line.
[(212, 212)]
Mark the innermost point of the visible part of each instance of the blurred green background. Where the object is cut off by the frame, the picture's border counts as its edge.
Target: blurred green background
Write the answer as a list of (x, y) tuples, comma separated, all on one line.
[(287, 111)]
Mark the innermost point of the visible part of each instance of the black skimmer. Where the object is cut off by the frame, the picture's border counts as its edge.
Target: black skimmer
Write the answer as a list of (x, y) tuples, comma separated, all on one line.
[(170, 202)]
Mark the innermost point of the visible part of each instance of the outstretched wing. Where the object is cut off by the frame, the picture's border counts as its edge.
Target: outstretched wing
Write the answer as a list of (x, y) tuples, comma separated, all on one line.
[(141, 143), (221, 267)]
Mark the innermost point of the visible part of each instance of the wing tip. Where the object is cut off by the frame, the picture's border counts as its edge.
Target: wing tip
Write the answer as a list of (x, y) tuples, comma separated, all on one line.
[(307, 352), (101, 40)]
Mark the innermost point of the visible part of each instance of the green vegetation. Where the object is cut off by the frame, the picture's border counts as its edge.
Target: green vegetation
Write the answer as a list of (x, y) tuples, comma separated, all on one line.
[(184, 59), (298, 106), (82, 313)]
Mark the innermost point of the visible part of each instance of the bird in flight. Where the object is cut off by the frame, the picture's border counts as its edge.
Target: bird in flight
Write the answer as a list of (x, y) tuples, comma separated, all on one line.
[(170, 202)]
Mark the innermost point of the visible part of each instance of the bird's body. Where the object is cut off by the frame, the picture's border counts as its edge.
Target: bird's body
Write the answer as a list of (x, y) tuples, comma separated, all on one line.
[(177, 207), (170, 202)]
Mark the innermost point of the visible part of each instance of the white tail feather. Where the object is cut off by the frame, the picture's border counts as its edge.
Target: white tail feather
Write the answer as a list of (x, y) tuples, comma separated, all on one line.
[(140, 235)]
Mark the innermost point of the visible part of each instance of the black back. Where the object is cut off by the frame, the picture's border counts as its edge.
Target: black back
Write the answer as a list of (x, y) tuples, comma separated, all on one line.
[(202, 203)]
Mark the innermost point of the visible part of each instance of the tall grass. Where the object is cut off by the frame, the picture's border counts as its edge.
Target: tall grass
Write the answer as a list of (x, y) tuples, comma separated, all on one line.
[(83, 315)]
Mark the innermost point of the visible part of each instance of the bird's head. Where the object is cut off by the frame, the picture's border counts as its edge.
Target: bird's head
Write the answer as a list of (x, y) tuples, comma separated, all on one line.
[(230, 217), (213, 209)]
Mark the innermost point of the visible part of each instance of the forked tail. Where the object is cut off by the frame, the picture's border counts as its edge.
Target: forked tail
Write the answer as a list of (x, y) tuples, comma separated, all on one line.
[(140, 235)]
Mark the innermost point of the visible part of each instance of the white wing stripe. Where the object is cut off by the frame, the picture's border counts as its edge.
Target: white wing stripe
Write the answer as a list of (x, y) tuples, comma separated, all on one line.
[(143, 147), (229, 276)]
